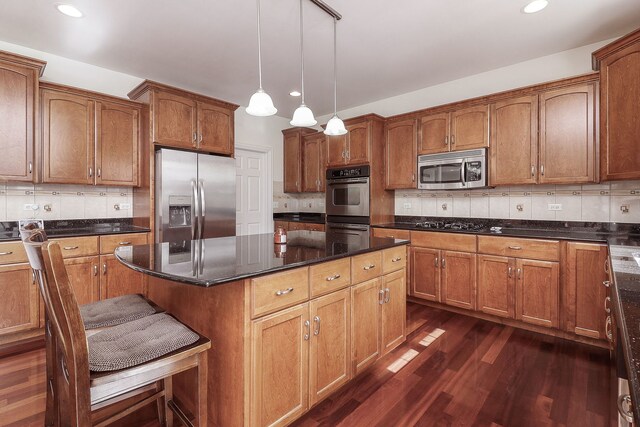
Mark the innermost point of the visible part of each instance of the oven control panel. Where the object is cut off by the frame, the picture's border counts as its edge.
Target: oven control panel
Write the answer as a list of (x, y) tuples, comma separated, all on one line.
[(354, 172)]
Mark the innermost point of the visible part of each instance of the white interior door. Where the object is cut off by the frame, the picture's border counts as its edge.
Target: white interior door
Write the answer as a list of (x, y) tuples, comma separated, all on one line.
[(253, 191)]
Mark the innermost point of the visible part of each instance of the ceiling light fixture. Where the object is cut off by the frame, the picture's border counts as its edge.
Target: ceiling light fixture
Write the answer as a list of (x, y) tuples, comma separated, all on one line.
[(335, 126), (294, 93), (535, 6), (69, 10), (303, 116), (260, 103)]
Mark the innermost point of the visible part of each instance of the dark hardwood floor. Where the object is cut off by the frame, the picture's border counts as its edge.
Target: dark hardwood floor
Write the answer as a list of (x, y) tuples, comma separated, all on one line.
[(468, 372)]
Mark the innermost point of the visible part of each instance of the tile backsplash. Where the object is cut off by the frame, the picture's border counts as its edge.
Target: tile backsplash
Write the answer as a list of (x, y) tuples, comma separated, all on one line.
[(49, 201), (296, 202), (607, 202)]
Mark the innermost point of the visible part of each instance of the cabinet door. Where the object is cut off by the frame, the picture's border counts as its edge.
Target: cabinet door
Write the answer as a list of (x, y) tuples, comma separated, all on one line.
[(358, 151), (17, 117), (619, 112), (496, 277), (336, 150), (459, 279), (400, 154), (215, 129), (84, 278), (18, 299), (68, 138), (330, 345), (366, 299), (434, 134), (425, 273), (292, 161), (394, 309), (567, 135), (312, 147), (117, 142), (280, 367), (174, 120), (584, 293), (117, 279), (470, 128), (537, 296), (283, 224), (514, 141)]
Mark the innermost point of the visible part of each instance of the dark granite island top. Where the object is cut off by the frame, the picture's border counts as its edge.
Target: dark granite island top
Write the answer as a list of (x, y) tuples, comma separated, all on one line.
[(221, 260)]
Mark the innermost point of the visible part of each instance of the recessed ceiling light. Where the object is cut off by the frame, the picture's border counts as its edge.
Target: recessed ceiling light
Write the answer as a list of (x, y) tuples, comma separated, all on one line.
[(69, 10), (294, 93), (535, 6)]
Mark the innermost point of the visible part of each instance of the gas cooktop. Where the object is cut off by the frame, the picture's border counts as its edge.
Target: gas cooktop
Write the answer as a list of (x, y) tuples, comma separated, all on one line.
[(443, 225)]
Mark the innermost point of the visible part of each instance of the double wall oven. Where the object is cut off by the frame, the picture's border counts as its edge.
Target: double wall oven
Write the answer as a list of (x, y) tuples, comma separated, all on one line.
[(347, 201)]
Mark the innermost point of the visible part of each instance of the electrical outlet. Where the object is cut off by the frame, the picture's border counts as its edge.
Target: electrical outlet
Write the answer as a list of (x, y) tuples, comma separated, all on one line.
[(275, 205), (125, 205), (407, 205), (555, 206), (31, 207)]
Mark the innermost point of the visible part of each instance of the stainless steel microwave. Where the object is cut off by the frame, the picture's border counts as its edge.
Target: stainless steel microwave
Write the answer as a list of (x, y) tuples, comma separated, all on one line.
[(453, 171)]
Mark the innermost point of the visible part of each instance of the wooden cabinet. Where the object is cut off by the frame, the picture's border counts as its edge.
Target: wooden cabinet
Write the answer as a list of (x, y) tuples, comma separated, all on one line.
[(298, 225), (280, 367), (496, 291), (458, 279), (462, 129), (366, 300), (394, 310), (18, 299), (292, 152), (314, 162), (514, 141), (354, 148), (584, 294), (84, 278), (619, 65), (89, 138), (567, 135), (400, 154), (537, 292), (188, 120), (336, 150), (117, 279), (18, 106), (425, 273), (330, 344)]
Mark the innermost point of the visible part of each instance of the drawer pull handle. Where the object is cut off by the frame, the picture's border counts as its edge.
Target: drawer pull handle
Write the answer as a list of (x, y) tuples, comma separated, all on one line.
[(381, 296), (625, 400), (607, 300), (316, 330), (387, 295), (334, 277), (606, 283), (284, 291), (307, 325), (124, 243), (6, 253), (396, 259), (515, 248), (70, 248), (609, 329), (369, 267)]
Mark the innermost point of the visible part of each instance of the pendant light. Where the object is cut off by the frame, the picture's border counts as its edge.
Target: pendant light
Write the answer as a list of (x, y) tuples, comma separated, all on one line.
[(260, 103), (335, 126), (303, 116)]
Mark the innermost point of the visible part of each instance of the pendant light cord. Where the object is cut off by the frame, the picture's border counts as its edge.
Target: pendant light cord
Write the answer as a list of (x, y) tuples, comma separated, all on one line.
[(335, 68), (302, 52), (259, 47)]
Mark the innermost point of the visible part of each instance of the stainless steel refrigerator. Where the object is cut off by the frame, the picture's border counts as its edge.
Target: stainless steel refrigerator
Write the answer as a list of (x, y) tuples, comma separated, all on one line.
[(195, 196)]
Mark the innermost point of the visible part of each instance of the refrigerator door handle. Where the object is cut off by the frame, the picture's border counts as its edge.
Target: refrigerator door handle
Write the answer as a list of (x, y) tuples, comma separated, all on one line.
[(194, 210), (203, 210)]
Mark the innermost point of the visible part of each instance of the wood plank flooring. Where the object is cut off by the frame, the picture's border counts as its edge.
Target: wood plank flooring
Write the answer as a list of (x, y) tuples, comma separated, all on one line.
[(453, 370)]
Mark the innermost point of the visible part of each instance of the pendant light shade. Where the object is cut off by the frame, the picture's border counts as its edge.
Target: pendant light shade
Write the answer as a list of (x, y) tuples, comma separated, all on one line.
[(335, 126), (260, 103), (303, 116)]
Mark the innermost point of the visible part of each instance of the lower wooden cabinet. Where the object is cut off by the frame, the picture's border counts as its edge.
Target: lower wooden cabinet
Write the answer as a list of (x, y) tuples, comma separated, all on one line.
[(297, 226), (366, 299), (425, 273), (458, 279), (394, 310), (84, 278), (496, 292), (18, 299), (117, 279)]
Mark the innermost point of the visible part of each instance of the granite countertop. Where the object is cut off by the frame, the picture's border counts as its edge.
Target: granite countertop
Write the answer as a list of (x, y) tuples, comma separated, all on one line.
[(75, 228), (310, 217), (221, 260)]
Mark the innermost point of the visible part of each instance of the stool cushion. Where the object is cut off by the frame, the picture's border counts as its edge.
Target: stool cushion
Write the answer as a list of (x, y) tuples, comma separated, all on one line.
[(137, 342), (114, 311)]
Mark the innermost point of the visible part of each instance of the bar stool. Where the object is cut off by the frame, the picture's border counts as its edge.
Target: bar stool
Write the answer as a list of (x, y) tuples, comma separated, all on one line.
[(117, 363)]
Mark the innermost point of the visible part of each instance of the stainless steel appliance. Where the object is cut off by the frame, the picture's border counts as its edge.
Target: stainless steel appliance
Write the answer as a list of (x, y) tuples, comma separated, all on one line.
[(347, 202), (453, 171), (195, 196)]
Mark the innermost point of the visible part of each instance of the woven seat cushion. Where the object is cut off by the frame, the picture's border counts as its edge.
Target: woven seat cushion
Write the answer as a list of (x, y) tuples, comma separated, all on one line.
[(115, 311), (137, 342)]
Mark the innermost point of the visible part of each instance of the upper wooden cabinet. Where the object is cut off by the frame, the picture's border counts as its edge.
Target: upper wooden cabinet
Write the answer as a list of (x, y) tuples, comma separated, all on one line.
[(400, 154), (462, 129), (18, 106), (313, 162), (514, 141), (187, 120), (354, 148), (292, 158), (567, 135), (619, 65), (89, 138)]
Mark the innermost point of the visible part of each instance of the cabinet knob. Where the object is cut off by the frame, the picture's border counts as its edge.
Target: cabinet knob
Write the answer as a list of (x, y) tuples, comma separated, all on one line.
[(99, 172), (533, 170), (90, 172), (30, 167), (542, 170), (446, 140)]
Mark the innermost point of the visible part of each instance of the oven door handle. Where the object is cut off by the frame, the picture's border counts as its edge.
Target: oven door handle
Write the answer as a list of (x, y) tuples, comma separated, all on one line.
[(348, 227), (348, 181)]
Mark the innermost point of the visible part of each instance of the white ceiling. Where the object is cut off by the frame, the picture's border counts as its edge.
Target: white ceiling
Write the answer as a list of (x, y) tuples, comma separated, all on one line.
[(385, 48)]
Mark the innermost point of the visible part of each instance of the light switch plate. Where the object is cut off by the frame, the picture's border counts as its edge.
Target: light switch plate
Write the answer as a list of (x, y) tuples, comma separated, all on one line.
[(555, 206), (407, 205), (125, 205), (276, 205)]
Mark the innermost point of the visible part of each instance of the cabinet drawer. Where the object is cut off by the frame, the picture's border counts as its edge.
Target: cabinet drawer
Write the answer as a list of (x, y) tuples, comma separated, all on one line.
[(12, 253), (108, 244), (366, 267), (546, 250), (78, 246), (277, 291), (394, 259), (314, 227), (330, 276), (445, 241), (392, 232)]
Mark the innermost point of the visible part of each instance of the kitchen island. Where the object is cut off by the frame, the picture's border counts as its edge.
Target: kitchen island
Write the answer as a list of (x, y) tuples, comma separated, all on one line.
[(289, 324)]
